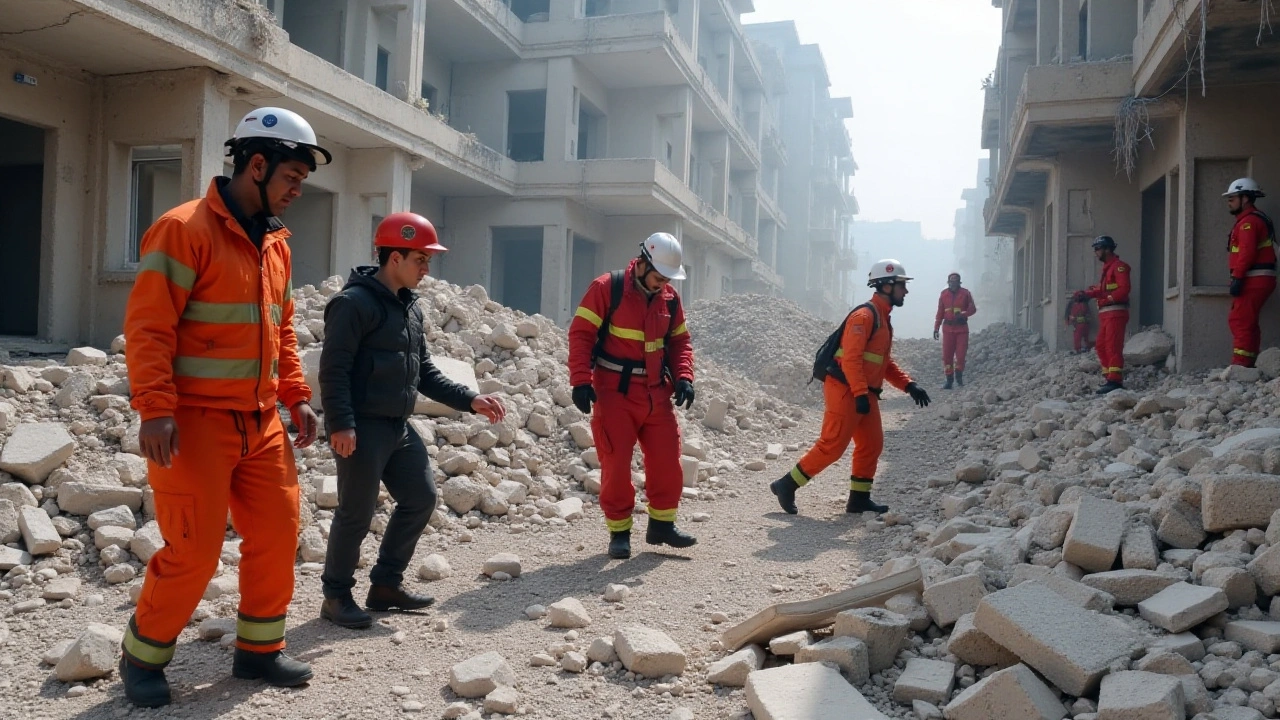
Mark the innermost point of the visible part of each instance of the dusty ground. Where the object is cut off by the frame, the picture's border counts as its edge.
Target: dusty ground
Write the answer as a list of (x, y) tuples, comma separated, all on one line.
[(749, 555)]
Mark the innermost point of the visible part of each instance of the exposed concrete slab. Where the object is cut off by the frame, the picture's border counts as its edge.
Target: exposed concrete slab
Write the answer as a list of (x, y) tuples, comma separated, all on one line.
[(1094, 538), (928, 680), (974, 647), (1182, 606), (808, 691), (1260, 635), (1137, 695), (950, 599), (1086, 597), (1012, 694), (1228, 502), (1130, 587)]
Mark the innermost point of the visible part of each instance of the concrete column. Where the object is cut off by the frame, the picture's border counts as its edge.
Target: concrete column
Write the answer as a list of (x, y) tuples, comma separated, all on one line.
[(1068, 29), (565, 10), (562, 121), (1048, 22), (728, 70), (687, 22), (557, 258), (411, 30), (213, 118), (719, 158), (683, 134)]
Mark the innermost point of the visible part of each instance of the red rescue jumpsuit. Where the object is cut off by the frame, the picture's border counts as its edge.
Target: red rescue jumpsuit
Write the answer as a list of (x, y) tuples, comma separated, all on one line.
[(209, 338), (954, 311), (641, 331), (1112, 294), (1078, 318), (1253, 259), (865, 360)]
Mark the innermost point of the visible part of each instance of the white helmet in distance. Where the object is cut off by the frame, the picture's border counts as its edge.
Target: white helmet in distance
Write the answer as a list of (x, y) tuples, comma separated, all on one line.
[(663, 252), (1244, 186)]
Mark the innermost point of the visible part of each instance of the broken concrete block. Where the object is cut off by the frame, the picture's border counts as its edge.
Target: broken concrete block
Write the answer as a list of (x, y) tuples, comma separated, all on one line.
[(13, 557), (326, 492), (909, 606), (1086, 597), (38, 533), (1237, 583), (481, 675), (568, 613), (790, 643), (1137, 695), (689, 467), (1185, 644), (1130, 587), (1012, 694), (1069, 645), (34, 450), (1182, 606), (1260, 635), (1166, 663), (928, 680), (848, 653), (1138, 550), (1051, 529), (1150, 347), (714, 418), (147, 541), (1181, 527), (732, 671), (807, 692), (10, 531), (648, 652), (118, 516), (950, 599), (1094, 538), (880, 630), (974, 647), (61, 588), (92, 655), (1229, 502), (1265, 569), (76, 498)]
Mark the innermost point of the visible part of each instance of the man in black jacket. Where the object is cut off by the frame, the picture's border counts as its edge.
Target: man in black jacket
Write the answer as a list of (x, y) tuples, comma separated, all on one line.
[(374, 364)]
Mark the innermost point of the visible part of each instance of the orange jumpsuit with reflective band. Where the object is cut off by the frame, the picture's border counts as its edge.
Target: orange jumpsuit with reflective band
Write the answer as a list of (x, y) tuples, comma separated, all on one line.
[(1112, 294), (1253, 258), (864, 358), (954, 311), (641, 329), (210, 342), (1078, 318)]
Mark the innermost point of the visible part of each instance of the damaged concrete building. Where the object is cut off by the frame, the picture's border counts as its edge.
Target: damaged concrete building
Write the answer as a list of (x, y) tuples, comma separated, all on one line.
[(545, 138), (984, 262), (1130, 118)]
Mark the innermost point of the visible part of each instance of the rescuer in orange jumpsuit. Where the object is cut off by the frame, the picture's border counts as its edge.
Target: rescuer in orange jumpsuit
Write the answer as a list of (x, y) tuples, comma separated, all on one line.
[(851, 395), (1112, 294), (1253, 269), (1078, 319), (211, 350), (955, 307), (630, 354)]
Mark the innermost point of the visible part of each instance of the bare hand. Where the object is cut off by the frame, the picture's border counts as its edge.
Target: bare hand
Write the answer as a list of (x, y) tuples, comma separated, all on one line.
[(490, 407), (158, 439), (304, 418), (343, 442)]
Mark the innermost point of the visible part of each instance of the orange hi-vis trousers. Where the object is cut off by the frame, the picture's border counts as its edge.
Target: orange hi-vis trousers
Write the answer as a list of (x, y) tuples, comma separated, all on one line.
[(841, 424), (227, 459), (955, 346)]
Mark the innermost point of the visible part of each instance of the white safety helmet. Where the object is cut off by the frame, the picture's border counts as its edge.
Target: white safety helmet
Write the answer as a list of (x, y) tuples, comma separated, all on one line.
[(1245, 186), (283, 130), (663, 252), (887, 270)]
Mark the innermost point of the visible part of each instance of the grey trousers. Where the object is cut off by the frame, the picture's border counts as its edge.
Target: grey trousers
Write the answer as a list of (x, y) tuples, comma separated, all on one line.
[(391, 451)]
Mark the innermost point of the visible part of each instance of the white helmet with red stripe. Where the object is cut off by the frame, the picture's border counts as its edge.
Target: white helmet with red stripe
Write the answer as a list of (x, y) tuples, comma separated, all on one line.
[(887, 271), (663, 252)]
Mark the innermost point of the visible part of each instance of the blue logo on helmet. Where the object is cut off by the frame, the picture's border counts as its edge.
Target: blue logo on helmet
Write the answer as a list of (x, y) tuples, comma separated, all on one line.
[(269, 120)]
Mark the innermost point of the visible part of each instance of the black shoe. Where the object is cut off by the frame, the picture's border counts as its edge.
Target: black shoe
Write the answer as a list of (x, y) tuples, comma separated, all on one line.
[(665, 532), (785, 488), (344, 612), (960, 378), (860, 502), (275, 667), (947, 384), (620, 544), (144, 687), (1108, 387), (386, 597)]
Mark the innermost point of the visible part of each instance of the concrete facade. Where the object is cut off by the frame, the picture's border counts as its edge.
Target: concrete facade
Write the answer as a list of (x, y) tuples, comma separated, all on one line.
[(985, 263), (544, 139), (1070, 78)]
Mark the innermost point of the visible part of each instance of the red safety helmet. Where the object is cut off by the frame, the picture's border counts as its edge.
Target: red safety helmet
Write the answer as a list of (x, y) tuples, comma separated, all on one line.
[(408, 231)]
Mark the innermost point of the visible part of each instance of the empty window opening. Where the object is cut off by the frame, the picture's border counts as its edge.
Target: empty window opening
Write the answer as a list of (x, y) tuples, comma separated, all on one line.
[(429, 95), (517, 268), (596, 8), (317, 26), (531, 11), (1150, 269), (22, 218), (591, 124), (154, 189), (526, 125), (384, 68), (585, 262)]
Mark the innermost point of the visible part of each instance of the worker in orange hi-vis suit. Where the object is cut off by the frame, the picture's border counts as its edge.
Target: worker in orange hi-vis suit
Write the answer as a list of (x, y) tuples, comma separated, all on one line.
[(1252, 264), (1112, 294), (211, 350), (1078, 319), (955, 307), (851, 395)]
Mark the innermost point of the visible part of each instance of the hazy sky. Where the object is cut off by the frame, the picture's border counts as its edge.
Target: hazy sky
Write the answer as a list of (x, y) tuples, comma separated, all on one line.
[(914, 69)]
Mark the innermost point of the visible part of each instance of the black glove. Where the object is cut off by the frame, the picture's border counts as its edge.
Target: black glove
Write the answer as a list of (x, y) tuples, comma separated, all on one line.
[(1237, 287), (1077, 296), (684, 393), (583, 396), (935, 334), (918, 394), (862, 404)]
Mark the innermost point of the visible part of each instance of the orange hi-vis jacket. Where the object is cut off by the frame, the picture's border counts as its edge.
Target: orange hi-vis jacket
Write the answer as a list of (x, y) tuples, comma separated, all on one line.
[(954, 308), (209, 322), (638, 331), (1112, 293), (1253, 251), (864, 355)]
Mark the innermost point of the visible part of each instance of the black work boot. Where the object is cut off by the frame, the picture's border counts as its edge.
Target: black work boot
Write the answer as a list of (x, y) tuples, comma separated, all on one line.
[(860, 502), (665, 532), (344, 612), (620, 544), (1108, 387), (144, 687), (386, 597), (947, 384), (785, 488), (275, 667), (960, 378)]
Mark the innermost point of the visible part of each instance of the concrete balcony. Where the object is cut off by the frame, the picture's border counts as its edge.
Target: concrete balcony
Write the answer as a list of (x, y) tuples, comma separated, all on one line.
[(473, 30), (1160, 48), (769, 206), (773, 149), (756, 272)]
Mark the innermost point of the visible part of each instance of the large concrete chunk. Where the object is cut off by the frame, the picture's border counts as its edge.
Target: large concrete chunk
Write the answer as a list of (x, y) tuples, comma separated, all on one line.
[(847, 653), (12, 557), (881, 630), (807, 692), (9, 529), (648, 652), (1260, 635), (35, 450), (1130, 587), (481, 675), (950, 599), (1137, 695), (974, 647), (1094, 538), (1148, 348), (76, 498), (927, 680), (1012, 694), (92, 655), (456, 370), (1089, 598), (1139, 551), (1069, 645), (1182, 606), (38, 533), (1265, 569), (1228, 502), (732, 671)]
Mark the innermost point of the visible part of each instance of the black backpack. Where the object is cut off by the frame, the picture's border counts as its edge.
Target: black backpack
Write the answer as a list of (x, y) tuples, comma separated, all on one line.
[(617, 282), (824, 363)]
